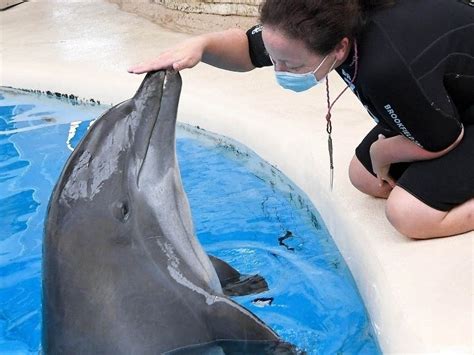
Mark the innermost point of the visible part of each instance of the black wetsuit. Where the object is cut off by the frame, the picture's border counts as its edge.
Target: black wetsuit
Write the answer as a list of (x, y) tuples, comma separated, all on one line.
[(416, 78)]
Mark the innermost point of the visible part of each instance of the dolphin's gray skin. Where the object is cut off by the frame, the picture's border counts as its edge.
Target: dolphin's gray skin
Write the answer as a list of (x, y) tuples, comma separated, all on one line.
[(123, 271)]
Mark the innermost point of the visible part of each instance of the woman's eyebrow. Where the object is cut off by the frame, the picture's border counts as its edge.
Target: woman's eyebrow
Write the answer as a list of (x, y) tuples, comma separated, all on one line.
[(295, 66)]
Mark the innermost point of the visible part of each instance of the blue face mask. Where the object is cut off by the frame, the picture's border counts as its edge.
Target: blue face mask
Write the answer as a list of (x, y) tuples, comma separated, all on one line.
[(299, 82)]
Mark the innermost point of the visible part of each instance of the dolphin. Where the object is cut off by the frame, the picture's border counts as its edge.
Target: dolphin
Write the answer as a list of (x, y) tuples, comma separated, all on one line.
[(123, 272)]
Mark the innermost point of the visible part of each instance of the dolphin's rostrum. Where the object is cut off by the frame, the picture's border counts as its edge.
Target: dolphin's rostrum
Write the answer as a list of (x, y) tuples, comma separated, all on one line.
[(123, 271)]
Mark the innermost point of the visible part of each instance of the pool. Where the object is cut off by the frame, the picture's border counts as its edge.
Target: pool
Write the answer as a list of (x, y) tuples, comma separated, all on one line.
[(245, 211)]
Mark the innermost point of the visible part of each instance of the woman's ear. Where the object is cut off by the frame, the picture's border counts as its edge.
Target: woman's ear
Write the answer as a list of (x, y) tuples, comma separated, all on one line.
[(342, 49)]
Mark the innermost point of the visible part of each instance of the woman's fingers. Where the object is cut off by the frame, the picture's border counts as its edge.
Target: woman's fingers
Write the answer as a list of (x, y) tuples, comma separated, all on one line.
[(391, 181), (185, 63), (383, 177), (186, 55), (381, 181), (160, 63), (139, 69)]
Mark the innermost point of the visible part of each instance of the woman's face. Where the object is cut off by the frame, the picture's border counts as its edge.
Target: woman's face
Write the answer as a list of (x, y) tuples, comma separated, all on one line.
[(290, 55)]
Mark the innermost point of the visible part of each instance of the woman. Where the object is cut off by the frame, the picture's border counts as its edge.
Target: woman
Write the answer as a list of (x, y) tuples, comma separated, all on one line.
[(411, 63)]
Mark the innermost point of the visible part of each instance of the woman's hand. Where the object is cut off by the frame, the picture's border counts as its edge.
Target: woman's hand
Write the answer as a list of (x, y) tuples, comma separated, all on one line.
[(186, 55), (397, 149), (381, 168)]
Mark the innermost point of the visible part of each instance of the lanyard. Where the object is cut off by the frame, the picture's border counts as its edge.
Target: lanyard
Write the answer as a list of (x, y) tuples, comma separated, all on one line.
[(328, 115)]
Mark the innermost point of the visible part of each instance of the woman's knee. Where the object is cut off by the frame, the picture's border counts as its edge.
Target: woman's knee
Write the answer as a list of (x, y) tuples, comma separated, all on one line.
[(364, 181), (410, 216), (354, 175), (358, 174), (397, 215)]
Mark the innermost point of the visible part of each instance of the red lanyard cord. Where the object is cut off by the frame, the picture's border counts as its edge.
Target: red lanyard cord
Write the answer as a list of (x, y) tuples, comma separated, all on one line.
[(328, 114)]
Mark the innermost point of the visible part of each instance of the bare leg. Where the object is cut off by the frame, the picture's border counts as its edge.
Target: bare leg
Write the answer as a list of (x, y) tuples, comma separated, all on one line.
[(409, 215), (365, 182), (415, 219)]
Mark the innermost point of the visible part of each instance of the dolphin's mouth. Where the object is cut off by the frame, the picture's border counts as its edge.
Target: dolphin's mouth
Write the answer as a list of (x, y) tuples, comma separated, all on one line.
[(153, 84), (148, 144)]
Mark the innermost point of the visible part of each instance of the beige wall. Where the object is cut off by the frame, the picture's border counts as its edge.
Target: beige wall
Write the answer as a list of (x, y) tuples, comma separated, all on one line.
[(195, 16), (4, 4), (216, 7)]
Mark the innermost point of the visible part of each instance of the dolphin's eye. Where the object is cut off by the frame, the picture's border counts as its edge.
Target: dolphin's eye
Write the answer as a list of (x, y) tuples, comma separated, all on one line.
[(121, 211), (124, 210)]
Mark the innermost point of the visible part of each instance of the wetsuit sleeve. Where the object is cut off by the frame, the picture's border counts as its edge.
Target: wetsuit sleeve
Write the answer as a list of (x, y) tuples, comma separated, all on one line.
[(257, 51), (418, 108)]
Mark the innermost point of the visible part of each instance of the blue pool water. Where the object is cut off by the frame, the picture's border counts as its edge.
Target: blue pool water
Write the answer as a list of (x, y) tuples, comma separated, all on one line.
[(243, 208)]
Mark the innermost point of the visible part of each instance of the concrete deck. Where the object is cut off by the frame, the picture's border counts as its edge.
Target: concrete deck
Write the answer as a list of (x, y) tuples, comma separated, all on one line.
[(419, 294)]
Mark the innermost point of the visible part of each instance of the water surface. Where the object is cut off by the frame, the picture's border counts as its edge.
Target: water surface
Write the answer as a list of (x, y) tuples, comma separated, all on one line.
[(245, 211)]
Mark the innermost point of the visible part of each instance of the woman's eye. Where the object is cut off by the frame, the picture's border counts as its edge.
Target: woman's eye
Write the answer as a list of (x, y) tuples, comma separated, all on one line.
[(296, 69)]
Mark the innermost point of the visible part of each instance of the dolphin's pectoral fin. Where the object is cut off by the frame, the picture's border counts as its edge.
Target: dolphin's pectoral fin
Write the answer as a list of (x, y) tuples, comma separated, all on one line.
[(245, 285), (222, 347), (235, 284), (242, 332)]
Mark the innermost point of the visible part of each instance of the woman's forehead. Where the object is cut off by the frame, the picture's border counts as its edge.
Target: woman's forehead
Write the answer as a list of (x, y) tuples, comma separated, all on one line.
[(280, 47)]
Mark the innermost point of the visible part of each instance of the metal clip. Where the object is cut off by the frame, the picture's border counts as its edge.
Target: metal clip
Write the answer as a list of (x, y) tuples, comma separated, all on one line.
[(331, 162)]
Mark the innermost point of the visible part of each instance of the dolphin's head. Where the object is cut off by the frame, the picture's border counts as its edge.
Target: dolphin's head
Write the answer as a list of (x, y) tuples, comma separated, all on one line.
[(123, 271), (119, 156), (121, 187)]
